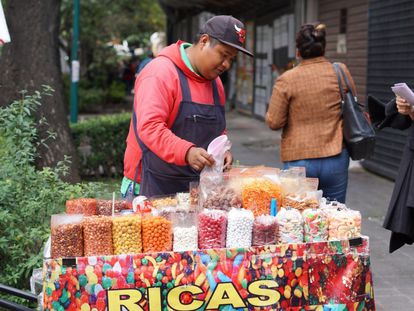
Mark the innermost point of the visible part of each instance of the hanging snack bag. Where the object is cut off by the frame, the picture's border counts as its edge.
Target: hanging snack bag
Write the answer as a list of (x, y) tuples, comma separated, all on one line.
[(156, 234), (344, 224), (239, 228), (212, 229), (85, 206), (315, 225), (97, 235), (290, 225), (126, 234), (265, 230), (66, 235), (185, 232)]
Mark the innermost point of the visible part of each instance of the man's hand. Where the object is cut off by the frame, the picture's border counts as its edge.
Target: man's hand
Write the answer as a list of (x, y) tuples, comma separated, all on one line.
[(403, 106), (197, 158), (228, 160)]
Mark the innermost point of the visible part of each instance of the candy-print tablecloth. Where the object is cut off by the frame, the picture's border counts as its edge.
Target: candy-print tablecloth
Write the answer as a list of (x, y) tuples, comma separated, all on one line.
[(321, 276)]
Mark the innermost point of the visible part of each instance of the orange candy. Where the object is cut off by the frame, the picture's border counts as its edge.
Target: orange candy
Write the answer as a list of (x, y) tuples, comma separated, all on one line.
[(156, 234)]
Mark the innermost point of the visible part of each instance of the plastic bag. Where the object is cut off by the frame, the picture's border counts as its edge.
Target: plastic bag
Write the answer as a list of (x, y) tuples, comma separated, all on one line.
[(239, 228), (66, 235), (217, 148), (97, 235), (290, 225), (344, 224), (183, 201), (315, 225), (265, 230), (303, 200), (216, 192), (85, 206), (257, 193), (104, 207), (185, 233), (156, 234), (212, 229), (126, 234)]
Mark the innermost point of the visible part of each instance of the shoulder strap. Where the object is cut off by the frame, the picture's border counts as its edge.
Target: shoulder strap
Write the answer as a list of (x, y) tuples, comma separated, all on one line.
[(338, 75), (346, 79)]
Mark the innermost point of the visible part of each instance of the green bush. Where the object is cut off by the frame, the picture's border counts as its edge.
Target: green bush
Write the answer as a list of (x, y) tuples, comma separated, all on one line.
[(116, 92), (101, 144), (28, 196)]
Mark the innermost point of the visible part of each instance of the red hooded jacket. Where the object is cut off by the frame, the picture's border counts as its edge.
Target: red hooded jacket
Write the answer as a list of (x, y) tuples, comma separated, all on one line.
[(156, 103)]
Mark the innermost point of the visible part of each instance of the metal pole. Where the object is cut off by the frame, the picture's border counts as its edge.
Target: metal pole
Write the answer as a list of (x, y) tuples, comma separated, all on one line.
[(74, 65)]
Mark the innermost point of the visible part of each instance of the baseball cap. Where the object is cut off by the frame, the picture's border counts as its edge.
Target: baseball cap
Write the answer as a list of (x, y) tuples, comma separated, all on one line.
[(227, 30)]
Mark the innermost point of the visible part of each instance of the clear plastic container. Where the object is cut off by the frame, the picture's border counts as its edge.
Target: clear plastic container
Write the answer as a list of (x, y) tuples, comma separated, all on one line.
[(212, 229), (66, 235), (185, 233), (97, 235), (126, 234), (265, 230)]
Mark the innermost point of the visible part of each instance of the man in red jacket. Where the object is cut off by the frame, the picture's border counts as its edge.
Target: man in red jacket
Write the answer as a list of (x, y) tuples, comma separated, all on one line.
[(179, 109)]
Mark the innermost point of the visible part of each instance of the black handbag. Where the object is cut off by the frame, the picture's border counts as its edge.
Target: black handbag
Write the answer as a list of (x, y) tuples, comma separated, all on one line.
[(359, 135)]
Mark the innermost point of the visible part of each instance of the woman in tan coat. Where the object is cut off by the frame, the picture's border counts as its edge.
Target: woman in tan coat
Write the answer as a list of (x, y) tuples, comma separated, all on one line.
[(306, 105)]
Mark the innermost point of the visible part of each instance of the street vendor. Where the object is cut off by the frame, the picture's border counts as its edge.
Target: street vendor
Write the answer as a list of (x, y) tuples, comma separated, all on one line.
[(179, 109)]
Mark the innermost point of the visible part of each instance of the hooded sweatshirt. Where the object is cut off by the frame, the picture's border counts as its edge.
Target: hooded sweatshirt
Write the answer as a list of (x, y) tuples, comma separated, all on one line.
[(156, 103)]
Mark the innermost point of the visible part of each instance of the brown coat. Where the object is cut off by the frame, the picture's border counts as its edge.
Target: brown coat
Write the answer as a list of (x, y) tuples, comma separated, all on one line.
[(306, 103)]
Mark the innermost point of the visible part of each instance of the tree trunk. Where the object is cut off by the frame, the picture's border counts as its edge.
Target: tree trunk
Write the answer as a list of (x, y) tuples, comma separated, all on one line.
[(32, 60)]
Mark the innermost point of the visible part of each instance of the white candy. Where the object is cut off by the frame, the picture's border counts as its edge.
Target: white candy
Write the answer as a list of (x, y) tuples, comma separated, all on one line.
[(239, 228), (185, 239)]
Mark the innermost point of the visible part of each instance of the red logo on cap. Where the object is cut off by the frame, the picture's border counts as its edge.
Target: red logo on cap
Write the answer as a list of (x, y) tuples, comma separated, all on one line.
[(241, 33)]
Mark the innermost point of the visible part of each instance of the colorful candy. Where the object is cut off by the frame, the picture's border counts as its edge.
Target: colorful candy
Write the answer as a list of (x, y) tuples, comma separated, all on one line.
[(290, 225), (315, 225), (344, 224)]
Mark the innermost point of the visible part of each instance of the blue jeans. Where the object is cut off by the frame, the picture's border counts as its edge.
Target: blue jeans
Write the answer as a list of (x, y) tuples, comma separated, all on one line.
[(331, 171)]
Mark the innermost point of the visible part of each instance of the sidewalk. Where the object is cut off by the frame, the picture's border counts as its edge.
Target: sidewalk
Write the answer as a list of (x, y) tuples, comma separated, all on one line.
[(393, 274)]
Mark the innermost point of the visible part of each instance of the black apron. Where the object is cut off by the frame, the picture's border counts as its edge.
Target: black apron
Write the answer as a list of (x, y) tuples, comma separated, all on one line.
[(195, 122)]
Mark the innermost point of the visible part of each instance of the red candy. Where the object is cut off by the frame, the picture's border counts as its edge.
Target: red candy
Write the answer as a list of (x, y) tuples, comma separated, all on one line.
[(212, 226)]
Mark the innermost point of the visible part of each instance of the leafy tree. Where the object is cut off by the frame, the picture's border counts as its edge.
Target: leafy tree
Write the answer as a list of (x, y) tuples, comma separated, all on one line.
[(105, 21), (31, 60)]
